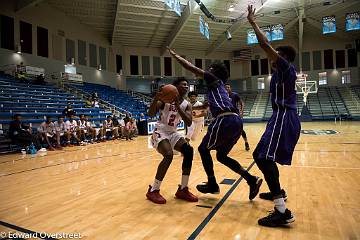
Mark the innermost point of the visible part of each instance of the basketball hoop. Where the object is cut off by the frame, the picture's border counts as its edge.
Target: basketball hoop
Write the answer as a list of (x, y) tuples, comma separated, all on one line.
[(303, 86)]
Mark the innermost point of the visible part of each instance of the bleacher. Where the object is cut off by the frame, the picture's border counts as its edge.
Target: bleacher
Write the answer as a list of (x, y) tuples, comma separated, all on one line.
[(116, 97), (35, 102)]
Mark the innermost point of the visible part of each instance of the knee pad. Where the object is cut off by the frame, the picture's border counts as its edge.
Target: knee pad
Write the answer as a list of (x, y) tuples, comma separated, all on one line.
[(188, 153)]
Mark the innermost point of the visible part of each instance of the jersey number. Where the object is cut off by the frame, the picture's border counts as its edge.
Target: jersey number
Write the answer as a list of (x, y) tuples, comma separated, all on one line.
[(172, 120)]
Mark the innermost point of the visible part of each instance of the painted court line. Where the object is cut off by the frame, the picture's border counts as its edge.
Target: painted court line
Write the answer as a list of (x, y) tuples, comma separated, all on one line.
[(217, 207)]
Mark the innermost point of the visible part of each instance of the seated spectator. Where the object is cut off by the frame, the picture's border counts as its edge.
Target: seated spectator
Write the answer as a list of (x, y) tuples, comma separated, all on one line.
[(127, 119), (69, 111), (72, 129), (95, 103), (48, 132), (40, 80), (60, 128), (85, 130), (94, 96), (22, 77), (130, 129), (88, 103), (108, 127), (20, 134)]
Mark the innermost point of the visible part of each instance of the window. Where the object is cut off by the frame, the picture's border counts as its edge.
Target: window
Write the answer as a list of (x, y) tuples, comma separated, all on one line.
[(42, 42), (198, 63), (145, 60), (157, 66), (317, 64), (345, 77), (261, 83), (7, 32), (254, 67), (167, 66), (352, 58), (264, 65), (323, 78), (102, 57), (328, 59), (26, 37), (244, 85), (119, 65), (134, 65), (340, 58), (306, 61), (93, 55), (70, 50), (82, 52)]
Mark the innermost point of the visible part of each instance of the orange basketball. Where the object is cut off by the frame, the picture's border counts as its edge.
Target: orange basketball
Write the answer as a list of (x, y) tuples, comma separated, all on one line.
[(168, 93)]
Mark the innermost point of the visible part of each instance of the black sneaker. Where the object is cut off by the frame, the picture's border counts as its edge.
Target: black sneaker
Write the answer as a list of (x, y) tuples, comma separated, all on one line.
[(247, 147), (269, 196), (276, 218), (206, 188), (254, 188)]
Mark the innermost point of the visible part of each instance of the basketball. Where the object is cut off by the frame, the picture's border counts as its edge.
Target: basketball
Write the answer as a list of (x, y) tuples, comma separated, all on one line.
[(168, 93)]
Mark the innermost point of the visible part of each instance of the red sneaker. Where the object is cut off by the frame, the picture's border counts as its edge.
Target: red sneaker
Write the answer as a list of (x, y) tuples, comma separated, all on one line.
[(186, 195), (155, 196)]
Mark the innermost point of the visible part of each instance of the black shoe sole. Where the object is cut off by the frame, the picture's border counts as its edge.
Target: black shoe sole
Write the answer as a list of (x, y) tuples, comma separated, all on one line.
[(255, 193), (214, 192), (291, 220)]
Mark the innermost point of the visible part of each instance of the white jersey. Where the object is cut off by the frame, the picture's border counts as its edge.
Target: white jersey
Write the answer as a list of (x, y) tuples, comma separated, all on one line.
[(71, 125), (83, 125), (200, 119), (170, 117)]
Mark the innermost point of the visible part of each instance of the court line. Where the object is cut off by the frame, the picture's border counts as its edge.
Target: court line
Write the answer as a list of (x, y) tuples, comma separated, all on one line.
[(217, 207), (24, 230), (320, 167), (58, 164)]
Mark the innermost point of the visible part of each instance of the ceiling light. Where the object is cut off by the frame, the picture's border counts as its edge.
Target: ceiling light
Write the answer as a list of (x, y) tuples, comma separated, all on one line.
[(228, 35), (231, 8)]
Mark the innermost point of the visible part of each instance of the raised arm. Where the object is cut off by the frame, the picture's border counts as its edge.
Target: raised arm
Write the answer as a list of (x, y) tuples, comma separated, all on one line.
[(186, 64), (263, 41)]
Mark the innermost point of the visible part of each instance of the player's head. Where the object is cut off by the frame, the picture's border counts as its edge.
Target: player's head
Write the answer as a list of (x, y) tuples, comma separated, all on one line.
[(17, 117), (219, 70), (192, 96), (182, 85), (228, 88), (60, 119), (109, 117), (82, 117), (48, 119), (287, 52)]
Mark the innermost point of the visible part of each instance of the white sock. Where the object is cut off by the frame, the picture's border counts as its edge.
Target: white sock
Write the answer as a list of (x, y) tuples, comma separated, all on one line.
[(184, 181), (280, 204), (156, 185)]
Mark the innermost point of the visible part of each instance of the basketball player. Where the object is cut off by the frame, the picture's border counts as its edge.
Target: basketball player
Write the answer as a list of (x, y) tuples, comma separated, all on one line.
[(85, 129), (198, 118), (71, 128), (283, 129), (166, 139), (48, 132), (239, 104), (60, 128), (224, 131), (108, 126)]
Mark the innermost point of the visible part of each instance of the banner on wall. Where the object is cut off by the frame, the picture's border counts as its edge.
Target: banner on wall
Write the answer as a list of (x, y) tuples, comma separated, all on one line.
[(77, 78), (34, 70)]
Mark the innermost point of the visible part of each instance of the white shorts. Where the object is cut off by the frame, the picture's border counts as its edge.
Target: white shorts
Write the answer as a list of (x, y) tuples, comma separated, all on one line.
[(193, 132), (159, 135)]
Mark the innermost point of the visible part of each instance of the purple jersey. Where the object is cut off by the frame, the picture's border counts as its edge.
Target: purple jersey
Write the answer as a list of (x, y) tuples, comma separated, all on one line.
[(282, 86), (235, 99), (218, 97)]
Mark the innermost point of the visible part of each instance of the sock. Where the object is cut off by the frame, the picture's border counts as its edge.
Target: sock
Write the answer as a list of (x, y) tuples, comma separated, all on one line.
[(280, 204), (156, 185), (184, 181)]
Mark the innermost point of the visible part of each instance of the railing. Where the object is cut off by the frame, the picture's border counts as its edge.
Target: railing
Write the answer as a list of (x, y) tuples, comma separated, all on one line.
[(143, 97)]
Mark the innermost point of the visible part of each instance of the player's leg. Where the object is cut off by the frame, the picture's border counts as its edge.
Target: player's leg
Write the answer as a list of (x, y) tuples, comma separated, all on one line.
[(58, 142), (165, 149), (211, 186), (243, 134), (188, 152), (253, 181)]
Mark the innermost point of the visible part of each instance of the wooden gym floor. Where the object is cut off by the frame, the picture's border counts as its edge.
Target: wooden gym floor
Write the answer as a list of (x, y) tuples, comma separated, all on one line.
[(98, 191)]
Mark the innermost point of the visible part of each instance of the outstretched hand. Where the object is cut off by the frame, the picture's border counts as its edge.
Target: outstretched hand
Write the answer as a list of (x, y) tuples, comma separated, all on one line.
[(171, 51), (251, 14)]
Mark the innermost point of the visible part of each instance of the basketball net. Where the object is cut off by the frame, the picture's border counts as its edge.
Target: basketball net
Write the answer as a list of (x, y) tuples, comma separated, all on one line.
[(303, 86)]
